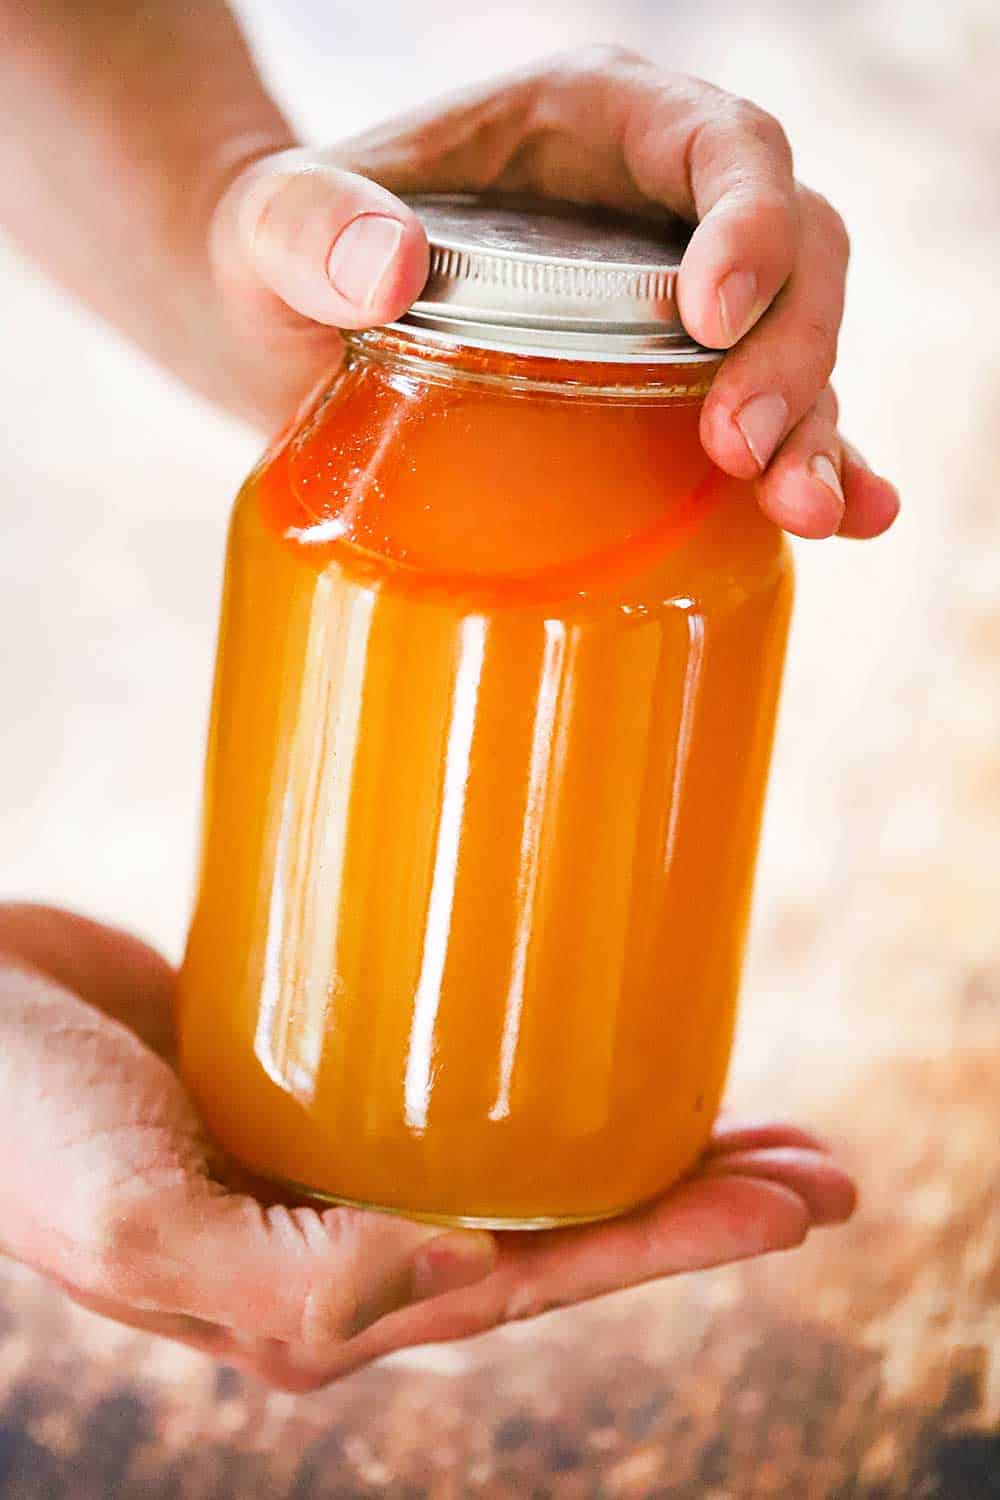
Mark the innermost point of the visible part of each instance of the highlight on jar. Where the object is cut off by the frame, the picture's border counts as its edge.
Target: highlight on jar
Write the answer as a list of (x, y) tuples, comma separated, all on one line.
[(499, 662)]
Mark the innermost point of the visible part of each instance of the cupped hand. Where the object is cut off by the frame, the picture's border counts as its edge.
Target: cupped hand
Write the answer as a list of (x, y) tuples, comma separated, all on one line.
[(302, 243), (109, 1187)]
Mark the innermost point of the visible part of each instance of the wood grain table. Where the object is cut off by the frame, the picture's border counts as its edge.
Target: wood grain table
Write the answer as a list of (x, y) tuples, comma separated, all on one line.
[(864, 1366)]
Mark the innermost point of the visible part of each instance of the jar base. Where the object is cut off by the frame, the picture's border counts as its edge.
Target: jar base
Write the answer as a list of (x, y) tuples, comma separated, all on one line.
[(457, 1221)]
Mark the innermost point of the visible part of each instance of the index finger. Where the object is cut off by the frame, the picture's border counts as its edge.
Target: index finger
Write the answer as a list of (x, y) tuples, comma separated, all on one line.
[(728, 164)]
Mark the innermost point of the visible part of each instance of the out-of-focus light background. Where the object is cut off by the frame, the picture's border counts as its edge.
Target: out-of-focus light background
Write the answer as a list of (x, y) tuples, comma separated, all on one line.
[(869, 1364)]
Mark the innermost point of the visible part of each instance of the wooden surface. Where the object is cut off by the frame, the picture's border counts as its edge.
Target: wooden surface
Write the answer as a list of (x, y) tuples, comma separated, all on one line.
[(862, 1367)]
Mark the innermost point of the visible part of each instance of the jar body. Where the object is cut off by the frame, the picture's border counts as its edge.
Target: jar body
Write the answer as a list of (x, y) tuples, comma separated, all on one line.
[(496, 687)]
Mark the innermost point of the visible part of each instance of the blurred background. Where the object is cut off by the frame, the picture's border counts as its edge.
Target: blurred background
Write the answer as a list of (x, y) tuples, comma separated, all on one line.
[(866, 1365)]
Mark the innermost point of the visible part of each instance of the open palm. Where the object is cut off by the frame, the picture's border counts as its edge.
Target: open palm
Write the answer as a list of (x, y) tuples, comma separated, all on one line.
[(115, 1193)]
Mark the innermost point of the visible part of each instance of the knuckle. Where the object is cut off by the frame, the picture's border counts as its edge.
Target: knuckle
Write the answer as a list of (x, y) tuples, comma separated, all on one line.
[(794, 1230), (831, 224), (367, 1273), (749, 119), (601, 60), (839, 233), (774, 221), (114, 1249), (525, 1303), (609, 56), (827, 405), (334, 1307), (345, 1229), (126, 1240), (819, 342)]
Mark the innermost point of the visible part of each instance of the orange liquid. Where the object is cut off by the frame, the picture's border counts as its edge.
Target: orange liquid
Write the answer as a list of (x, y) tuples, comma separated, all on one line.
[(494, 704)]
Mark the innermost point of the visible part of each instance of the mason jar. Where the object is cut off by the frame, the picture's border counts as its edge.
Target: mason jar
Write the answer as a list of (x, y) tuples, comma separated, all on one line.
[(498, 666)]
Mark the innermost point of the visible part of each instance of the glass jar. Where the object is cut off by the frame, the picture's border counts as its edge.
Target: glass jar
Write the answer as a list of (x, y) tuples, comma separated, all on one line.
[(499, 661)]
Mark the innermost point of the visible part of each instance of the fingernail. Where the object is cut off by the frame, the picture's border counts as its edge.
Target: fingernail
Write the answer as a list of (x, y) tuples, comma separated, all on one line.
[(762, 421), (452, 1260), (737, 300), (361, 257), (824, 470)]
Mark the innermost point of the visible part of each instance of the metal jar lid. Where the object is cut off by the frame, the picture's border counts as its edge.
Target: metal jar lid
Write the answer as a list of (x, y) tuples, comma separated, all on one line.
[(539, 276)]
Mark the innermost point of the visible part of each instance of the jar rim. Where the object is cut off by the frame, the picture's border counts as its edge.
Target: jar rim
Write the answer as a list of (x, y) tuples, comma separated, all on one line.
[(579, 374)]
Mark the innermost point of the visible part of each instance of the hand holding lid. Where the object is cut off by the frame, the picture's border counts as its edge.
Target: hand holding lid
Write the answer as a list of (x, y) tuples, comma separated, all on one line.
[(321, 234)]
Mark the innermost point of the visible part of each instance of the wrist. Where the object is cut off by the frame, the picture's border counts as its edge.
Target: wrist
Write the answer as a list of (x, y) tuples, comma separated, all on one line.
[(126, 122)]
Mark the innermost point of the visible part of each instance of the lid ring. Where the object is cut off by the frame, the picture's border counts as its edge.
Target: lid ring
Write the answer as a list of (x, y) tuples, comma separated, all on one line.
[(542, 276)]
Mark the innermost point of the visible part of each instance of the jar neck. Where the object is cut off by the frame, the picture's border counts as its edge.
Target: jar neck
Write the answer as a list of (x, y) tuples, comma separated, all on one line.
[(452, 363)]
